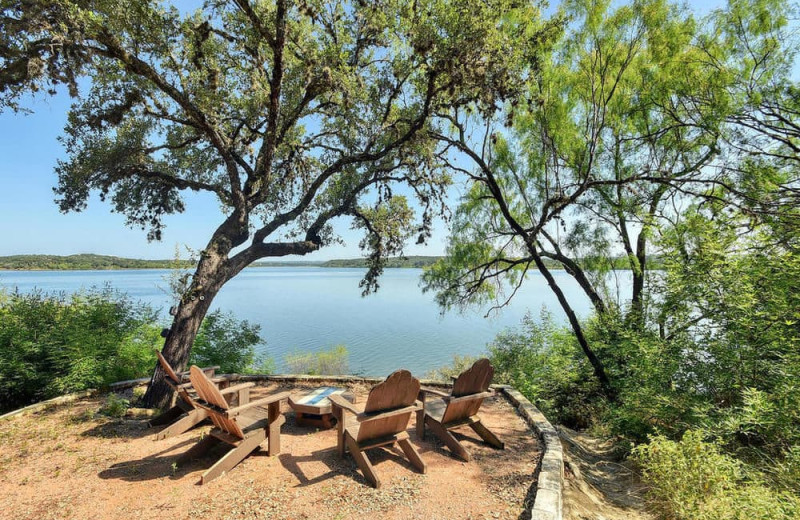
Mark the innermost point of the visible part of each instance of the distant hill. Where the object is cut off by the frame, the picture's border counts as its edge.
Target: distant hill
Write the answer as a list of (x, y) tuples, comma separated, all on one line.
[(79, 262), (102, 262), (409, 261)]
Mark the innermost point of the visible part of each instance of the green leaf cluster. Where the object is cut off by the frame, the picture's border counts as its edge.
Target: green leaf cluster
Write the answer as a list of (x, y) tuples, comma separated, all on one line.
[(55, 344)]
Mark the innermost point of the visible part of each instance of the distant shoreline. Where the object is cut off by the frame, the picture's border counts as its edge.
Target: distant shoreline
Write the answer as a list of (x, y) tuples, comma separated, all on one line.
[(91, 262)]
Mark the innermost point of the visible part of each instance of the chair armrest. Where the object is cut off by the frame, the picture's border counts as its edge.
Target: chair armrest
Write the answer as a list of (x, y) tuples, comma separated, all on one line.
[(341, 402), (236, 388), (366, 417), (272, 398), (428, 390)]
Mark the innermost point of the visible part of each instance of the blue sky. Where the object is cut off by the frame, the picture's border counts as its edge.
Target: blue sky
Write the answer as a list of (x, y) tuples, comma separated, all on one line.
[(30, 222)]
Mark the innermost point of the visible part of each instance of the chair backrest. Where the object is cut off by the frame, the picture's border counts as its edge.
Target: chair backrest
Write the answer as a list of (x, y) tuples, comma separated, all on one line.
[(399, 390), (168, 369), (209, 393), (474, 380)]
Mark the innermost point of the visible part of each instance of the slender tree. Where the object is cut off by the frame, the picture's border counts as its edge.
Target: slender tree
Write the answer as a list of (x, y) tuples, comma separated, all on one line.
[(639, 112), (292, 113)]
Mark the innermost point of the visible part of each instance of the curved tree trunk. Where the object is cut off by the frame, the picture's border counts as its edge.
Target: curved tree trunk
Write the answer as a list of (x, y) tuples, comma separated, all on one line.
[(180, 339), (597, 365), (213, 271)]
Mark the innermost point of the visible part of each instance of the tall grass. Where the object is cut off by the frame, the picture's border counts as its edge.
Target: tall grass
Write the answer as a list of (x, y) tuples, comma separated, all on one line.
[(334, 361)]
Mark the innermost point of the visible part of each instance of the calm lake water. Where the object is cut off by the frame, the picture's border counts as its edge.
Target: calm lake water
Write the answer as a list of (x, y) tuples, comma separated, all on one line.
[(313, 308)]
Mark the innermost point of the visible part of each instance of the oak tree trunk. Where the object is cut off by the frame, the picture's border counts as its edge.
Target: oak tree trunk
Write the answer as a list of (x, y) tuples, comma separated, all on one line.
[(213, 271), (180, 338)]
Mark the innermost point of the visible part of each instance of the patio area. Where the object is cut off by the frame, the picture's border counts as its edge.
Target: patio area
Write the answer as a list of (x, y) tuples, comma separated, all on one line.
[(70, 462)]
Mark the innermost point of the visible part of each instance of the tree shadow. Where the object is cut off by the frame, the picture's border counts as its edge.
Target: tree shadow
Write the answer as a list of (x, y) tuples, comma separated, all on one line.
[(164, 463), (120, 428)]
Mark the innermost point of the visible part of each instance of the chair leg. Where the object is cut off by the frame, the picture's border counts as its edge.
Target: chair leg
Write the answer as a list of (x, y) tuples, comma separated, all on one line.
[(447, 437), (421, 423), (487, 435), (338, 413), (198, 450), (363, 462), (234, 456), (413, 455), (274, 435), (167, 417), (184, 424)]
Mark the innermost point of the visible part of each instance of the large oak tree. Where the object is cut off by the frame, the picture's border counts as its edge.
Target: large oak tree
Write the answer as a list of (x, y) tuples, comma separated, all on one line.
[(292, 113)]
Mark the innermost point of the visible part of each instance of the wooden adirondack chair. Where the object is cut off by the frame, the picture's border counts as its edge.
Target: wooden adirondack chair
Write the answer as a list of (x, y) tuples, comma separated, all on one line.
[(244, 427), (459, 408), (184, 415), (383, 422)]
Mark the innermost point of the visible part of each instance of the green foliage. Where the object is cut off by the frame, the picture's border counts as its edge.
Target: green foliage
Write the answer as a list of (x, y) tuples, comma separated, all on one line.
[(226, 342), (446, 373), (54, 344), (692, 479), (115, 406), (263, 365), (733, 306), (333, 361), (543, 361)]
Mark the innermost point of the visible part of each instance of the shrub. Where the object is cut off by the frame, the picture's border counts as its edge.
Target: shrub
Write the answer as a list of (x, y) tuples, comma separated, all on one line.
[(51, 344), (226, 342), (543, 361), (333, 361), (446, 373), (692, 479), (115, 406), (55, 344), (263, 365)]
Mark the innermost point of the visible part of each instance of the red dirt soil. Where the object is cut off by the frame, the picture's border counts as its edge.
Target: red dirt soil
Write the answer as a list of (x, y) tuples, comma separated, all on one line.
[(70, 462)]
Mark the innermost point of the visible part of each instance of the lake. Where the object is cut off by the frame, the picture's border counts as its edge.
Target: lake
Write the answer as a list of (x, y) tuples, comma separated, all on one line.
[(312, 308)]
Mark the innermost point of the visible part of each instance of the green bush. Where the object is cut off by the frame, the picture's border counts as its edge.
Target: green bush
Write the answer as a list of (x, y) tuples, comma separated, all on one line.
[(55, 344), (228, 343), (446, 373), (692, 479), (263, 365), (333, 361), (52, 344), (115, 406), (543, 361)]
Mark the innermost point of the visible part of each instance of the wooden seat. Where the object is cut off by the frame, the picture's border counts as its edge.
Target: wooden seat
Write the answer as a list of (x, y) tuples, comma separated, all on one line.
[(245, 427), (382, 423), (459, 408), (184, 415)]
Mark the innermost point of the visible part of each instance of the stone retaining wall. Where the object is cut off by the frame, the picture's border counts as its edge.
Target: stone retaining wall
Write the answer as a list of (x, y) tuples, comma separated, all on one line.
[(550, 484), (42, 405)]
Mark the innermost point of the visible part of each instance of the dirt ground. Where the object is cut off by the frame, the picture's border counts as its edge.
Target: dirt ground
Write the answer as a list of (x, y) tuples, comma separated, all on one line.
[(598, 485), (70, 462)]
